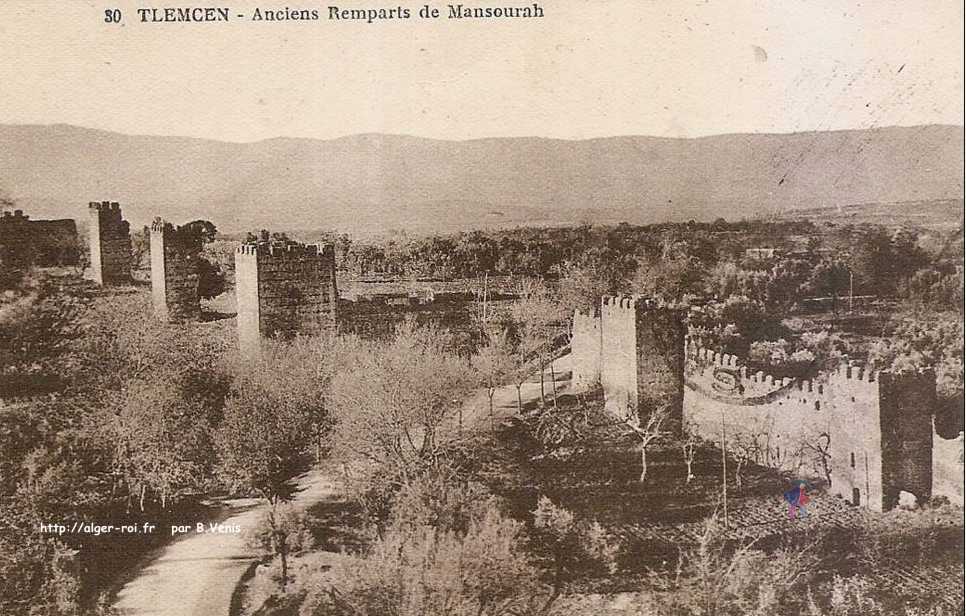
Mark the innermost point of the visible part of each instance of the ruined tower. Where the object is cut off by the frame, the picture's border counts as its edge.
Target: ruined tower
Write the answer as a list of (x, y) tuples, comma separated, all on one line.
[(641, 357), (174, 272), (284, 288), (44, 243), (110, 237), (882, 435)]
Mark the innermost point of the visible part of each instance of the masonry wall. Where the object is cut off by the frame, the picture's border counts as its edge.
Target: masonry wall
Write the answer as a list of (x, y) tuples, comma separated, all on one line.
[(44, 243), (871, 431), (660, 363), (875, 427), (110, 244), (246, 298), (907, 402), (174, 274), (585, 349), (618, 361), (639, 359), (947, 468), (756, 411), (284, 289), (853, 398)]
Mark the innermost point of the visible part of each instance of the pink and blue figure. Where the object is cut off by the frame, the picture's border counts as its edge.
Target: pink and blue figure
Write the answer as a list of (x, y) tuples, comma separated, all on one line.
[(797, 498)]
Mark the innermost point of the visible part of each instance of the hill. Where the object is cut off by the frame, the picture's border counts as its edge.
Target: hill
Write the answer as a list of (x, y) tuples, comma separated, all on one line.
[(369, 183), (941, 215)]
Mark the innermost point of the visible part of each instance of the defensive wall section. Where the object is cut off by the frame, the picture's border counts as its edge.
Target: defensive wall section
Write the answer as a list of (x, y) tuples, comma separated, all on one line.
[(870, 433), (40, 242), (110, 244), (947, 468), (174, 272), (284, 288), (585, 349), (874, 427), (632, 348)]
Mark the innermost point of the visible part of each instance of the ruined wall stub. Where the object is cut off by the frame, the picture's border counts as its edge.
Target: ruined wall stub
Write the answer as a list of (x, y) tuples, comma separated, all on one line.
[(284, 289), (174, 272), (110, 244), (44, 243)]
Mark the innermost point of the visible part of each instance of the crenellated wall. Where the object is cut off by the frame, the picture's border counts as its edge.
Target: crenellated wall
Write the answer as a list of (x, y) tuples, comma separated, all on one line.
[(174, 272), (869, 433), (619, 354), (875, 427), (110, 244), (284, 288), (633, 349)]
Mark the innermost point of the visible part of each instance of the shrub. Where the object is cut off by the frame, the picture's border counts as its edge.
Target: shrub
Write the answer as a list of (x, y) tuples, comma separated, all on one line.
[(422, 571)]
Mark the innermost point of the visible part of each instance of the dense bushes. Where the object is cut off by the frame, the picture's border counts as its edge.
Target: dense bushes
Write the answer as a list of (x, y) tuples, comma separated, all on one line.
[(469, 560)]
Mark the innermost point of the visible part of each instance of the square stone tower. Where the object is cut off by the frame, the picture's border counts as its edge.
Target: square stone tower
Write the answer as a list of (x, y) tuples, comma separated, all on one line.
[(642, 357), (284, 288), (110, 238), (881, 435), (174, 272)]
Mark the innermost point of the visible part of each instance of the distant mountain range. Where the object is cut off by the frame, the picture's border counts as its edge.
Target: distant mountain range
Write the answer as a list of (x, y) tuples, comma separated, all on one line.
[(373, 183)]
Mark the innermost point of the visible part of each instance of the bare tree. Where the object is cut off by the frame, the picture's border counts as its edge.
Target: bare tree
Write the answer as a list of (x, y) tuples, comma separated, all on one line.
[(718, 576), (397, 405), (495, 362), (537, 316), (819, 447), (689, 444), (745, 449), (648, 430)]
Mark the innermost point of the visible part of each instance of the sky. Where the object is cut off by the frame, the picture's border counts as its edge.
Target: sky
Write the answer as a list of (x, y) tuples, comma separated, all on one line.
[(589, 68)]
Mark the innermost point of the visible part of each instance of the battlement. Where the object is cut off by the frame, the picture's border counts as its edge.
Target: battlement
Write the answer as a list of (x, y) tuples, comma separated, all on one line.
[(847, 377), (284, 288), (875, 425), (110, 237), (182, 239), (174, 273), (286, 249), (15, 216), (627, 302), (105, 206), (108, 214)]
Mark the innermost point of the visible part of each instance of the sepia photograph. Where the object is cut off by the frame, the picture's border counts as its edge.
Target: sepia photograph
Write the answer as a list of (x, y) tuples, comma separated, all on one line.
[(559, 308)]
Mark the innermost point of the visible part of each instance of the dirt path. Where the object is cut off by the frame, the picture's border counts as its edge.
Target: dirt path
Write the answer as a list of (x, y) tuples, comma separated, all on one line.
[(476, 409), (197, 575)]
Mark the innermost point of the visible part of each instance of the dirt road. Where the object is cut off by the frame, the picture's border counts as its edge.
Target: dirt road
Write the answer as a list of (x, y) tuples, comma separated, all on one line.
[(197, 575)]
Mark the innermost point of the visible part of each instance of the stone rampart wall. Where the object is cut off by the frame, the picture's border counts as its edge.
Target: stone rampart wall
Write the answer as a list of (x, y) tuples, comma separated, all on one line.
[(288, 289), (174, 274), (110, 244)]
